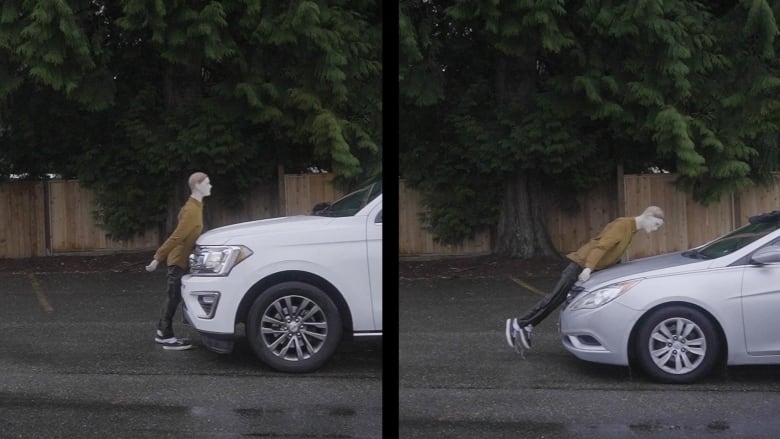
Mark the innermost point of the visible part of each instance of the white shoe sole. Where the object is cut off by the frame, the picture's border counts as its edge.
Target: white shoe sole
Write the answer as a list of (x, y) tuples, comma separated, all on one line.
[(508, 333), (177, 348), (164, 341), (521, 339)]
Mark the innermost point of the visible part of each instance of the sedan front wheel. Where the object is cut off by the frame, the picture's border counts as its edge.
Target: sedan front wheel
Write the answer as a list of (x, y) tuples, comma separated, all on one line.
[(677, 344)]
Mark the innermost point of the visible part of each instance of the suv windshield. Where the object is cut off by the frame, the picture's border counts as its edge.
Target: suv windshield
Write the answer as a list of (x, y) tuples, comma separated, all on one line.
[(351, 203), (733, 241)]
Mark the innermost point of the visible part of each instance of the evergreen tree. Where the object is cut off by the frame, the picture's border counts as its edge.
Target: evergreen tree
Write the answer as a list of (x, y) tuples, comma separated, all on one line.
[(143, 92), (550, 97), (51, 55)]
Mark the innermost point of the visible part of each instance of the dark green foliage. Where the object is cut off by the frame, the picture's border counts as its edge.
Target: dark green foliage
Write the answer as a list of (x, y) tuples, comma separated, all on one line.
[(137, 94), (567, 91)]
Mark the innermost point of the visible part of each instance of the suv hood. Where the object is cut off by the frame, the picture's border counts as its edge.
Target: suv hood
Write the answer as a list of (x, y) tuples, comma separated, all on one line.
[(663, 264), (221, 235)]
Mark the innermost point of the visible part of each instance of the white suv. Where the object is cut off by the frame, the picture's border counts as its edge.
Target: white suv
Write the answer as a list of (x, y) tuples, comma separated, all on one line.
[(299, 283)]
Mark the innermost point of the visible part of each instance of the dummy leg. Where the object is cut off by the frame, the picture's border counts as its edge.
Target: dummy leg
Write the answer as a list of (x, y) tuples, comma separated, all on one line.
[(518, 331), (553, 299), (172, 301)]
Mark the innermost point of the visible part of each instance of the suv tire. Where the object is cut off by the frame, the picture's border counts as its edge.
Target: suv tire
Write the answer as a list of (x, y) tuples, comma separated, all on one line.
[(294, 327)]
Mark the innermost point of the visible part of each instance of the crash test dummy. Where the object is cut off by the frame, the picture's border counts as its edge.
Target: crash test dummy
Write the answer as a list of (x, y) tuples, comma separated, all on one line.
[(600, 252), (175, 252)]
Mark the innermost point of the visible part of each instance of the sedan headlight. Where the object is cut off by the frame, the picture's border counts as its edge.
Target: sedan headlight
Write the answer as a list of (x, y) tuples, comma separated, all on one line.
[(602, 296), (216, 260)]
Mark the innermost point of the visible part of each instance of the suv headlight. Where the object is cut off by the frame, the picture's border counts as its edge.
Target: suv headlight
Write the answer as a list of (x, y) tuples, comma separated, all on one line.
[(216, 260), (603, 296)]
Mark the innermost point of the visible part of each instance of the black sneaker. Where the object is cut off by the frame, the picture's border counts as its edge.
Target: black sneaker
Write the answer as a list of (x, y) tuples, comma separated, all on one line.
[(160, 336), (516, 336), (175, 344), (525, 335)]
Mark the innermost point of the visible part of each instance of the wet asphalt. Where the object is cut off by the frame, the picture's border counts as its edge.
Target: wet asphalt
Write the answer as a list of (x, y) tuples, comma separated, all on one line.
[(78, 359), (459, 379)]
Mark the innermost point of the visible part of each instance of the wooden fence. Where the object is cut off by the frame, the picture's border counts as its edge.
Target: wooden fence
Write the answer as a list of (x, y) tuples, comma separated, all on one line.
[(414, 240), (22, 220), (72, 227), (687, 224), (567, 232), (597, 208), (56, 217)]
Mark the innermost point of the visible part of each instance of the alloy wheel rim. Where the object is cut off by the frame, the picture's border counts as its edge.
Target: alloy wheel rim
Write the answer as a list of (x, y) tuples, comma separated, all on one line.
[(677, 346), (293, 328)]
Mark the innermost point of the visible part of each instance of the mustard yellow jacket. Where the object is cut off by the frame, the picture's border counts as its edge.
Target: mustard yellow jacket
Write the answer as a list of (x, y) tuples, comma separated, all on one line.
[(606, 248), (178, 246)]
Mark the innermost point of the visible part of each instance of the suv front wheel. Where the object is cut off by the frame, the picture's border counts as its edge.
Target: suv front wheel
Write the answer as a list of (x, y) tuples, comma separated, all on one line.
[(294, 327)]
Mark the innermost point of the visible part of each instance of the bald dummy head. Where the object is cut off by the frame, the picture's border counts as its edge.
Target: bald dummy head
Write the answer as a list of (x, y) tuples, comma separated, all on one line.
[(200, 186), (196, 178), (651, 219)]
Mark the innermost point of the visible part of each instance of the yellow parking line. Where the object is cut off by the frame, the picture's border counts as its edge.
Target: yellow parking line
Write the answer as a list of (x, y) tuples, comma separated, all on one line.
[(525, 285), (39, 293)]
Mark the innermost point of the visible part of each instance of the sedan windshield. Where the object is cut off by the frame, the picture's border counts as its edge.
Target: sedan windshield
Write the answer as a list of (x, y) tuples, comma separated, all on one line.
[(733, 241)]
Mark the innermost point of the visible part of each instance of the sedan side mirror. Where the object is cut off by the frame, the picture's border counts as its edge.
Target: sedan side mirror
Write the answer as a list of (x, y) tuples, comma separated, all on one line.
[(767, 255)]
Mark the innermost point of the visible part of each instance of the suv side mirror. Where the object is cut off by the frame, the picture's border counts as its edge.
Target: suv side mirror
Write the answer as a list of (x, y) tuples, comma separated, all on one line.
[(319, 207), (766, 255)]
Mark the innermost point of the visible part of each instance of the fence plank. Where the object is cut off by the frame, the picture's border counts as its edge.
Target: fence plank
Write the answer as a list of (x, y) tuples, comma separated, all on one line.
[(756, 200), (259, 204), (707, 223), (642, 191), (22, 220), (415, 240), (73, 227), (569, 231), (303, 191)]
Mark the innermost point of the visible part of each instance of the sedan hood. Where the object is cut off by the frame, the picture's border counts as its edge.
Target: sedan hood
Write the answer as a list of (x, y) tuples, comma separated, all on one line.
[(668, 263)]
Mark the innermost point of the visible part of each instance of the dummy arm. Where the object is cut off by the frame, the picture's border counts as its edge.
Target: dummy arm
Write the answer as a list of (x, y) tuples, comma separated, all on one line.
[(606, 242), (182, 229)]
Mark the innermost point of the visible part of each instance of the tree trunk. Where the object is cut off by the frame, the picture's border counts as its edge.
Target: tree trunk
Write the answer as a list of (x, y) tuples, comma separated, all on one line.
[(522, 225)]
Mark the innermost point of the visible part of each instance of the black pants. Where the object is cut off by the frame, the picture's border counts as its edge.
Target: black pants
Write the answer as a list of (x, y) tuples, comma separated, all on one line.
[(172, 300), (551, 300)]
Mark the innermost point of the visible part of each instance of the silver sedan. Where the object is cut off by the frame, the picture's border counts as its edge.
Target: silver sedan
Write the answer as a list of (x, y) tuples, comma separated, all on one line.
[(680, 315)]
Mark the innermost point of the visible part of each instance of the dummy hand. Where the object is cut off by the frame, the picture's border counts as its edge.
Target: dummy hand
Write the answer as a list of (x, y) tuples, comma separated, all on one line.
[(152, 265), (585, 275)]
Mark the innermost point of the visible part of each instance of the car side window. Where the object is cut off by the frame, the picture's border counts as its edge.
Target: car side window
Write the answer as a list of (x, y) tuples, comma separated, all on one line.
[(775, 241), (735, 240), (378, 219), (747, 259)]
